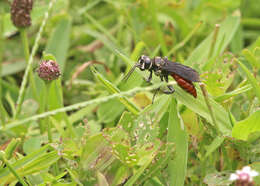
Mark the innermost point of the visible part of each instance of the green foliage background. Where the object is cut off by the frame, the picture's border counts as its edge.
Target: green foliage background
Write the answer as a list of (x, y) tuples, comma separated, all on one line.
[(90, 127)]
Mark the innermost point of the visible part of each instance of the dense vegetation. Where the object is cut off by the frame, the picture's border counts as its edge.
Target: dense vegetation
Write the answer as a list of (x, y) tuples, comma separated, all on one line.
[(89, 127)]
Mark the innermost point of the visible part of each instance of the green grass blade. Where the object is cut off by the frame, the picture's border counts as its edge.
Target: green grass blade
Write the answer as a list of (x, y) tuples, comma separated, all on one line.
[(251, 58), (244, 128), (112, 89), (226, 32), (233, 93), (12, 68), (101, 28), (135, 79), (58, 46), (155, 24), (137, 51), (213, 146), (59, 41), (24, 161), (199, 106), (148, 161), (177, 134), (252, 80)]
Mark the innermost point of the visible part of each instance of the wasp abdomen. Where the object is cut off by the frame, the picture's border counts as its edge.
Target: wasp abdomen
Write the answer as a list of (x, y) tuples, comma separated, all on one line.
[(186, 85)]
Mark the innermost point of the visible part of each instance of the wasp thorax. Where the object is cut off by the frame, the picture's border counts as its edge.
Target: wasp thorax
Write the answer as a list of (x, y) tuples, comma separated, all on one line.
[(144, 62), (158, 61)]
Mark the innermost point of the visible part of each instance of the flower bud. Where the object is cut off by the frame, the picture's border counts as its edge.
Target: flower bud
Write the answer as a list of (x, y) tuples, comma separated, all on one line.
[(20, 13), (49, 70)]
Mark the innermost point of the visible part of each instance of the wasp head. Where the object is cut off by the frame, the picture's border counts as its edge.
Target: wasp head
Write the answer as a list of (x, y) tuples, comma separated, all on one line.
[(144, 63)]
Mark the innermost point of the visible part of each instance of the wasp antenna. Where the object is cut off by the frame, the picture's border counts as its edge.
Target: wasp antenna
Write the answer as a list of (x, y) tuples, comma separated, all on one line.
[(130, 72)]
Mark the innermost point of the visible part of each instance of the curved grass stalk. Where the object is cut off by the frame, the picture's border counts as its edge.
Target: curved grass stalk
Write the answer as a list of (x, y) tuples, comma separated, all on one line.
[(83, 104)]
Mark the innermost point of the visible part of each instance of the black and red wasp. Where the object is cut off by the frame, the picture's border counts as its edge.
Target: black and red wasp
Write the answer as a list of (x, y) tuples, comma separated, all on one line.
[(162, 67)]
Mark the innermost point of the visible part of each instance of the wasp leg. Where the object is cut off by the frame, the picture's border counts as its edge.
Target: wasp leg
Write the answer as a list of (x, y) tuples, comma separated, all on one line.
[(170, 87), (148, 80), (157, 90)]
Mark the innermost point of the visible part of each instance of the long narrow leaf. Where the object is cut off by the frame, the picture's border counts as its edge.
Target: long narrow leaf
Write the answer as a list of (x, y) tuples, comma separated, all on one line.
[(226, 32), (112, 89), (177, 135), (199, 106), (252, 80)]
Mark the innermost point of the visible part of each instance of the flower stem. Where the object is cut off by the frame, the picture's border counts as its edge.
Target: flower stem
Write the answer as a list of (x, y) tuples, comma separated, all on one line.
[(12, 170), (48, 87), (24, 38)]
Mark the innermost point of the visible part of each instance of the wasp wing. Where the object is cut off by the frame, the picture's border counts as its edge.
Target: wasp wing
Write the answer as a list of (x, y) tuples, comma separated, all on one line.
[(183, 71)]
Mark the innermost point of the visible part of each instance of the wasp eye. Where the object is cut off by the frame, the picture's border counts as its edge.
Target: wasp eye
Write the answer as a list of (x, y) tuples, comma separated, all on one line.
[(144, 62)]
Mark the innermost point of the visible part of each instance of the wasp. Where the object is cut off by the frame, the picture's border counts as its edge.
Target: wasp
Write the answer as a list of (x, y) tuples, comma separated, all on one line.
[(162, 67)]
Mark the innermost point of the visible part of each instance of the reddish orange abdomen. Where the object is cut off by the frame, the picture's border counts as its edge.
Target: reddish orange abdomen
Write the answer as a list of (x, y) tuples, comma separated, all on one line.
[(186, 85)]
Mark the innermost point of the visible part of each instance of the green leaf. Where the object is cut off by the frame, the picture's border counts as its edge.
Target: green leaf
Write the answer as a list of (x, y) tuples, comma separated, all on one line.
[(214, 145), (113, 89), (244, 128), (94, 145), (12, 68), (136, 76), (256, 166), (199, 106), (47, 57), (109, 111), (59, 42), (27, 159), (227, 30), (218, 179), (153, 11), (32, 144), (101, 179), (251, 58), (35, 162), (10, 149), (252, 80), (81, 113), (233, 93), (158, 108), (146, 162), (177, 134)]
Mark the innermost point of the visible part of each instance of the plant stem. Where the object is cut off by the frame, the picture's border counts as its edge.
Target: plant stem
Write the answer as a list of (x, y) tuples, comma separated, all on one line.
[(206, 97), (12, 170), (251, 22), (29, 65), (2, 110), (48, 87), (214, 39), (24, 38)]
